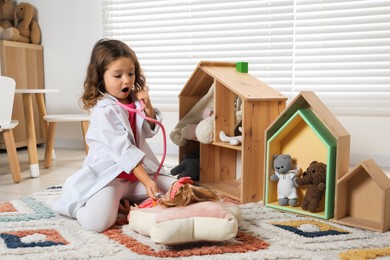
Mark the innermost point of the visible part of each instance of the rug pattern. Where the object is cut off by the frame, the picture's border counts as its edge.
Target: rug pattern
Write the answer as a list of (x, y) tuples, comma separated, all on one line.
[(29, 229)]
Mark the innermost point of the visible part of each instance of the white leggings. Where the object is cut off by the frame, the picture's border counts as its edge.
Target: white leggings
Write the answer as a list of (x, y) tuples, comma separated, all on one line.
[(101, 210)]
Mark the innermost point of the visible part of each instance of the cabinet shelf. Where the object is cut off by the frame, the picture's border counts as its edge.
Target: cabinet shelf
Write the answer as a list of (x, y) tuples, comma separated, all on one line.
[(227, 145), (230, 188), (235, 171), (24, 63)]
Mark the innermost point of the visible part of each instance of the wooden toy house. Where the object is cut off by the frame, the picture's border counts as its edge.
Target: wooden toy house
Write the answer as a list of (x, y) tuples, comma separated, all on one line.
[(220, 168), (363, 198), (307, 131)]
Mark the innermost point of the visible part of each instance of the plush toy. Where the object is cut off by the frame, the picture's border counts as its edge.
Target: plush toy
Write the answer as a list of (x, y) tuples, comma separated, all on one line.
[(202, 131), (188, 167), (285, 174), (7, 13), (315, 179), (194, 117), (27, 29), (232, 140)]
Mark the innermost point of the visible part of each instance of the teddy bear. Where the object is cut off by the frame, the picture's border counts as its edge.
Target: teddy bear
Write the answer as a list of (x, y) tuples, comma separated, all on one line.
[(315, 179), (7, 12), (7, 15), (198, 123), (27, 29), (285, 174), (194, 119), (202, 131)]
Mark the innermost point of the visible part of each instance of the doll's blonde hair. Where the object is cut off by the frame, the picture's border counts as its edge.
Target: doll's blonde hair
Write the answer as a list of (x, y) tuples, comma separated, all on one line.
[(188, 194)]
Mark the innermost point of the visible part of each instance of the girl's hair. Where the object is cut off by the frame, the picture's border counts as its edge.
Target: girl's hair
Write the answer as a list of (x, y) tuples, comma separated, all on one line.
[(188, 194), (103, 53)]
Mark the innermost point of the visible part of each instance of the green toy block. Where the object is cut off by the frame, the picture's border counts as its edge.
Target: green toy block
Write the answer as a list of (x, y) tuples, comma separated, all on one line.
[(242, 67)]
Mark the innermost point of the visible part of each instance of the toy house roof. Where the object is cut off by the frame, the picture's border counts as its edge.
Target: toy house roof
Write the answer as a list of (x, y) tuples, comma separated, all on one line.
[(308, 99), (373, 170), (309, 117), (242, 84)]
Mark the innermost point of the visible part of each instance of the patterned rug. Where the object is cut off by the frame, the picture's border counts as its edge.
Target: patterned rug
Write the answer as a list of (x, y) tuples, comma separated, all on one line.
[(30, 230)]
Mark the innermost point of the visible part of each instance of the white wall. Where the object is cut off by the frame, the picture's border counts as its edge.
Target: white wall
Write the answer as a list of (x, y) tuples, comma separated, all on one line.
[(370, 138), (69, 30)]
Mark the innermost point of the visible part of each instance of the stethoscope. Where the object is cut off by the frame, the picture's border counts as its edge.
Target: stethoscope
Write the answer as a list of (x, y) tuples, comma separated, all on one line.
[(140, 113)]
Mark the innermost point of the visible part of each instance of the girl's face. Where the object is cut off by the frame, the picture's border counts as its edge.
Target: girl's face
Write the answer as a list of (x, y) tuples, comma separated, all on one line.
[(119, 78)]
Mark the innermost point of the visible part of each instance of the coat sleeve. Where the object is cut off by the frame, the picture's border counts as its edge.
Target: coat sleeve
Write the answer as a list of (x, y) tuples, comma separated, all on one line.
[(146, 128), (113, 138)]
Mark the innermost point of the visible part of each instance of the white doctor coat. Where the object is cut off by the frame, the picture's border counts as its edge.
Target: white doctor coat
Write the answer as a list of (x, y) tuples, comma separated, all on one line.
[(112, 150)]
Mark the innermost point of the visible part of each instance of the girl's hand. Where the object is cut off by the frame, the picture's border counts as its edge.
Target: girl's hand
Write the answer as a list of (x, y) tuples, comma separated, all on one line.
[(151, 189), (143, 95), (143, 177)]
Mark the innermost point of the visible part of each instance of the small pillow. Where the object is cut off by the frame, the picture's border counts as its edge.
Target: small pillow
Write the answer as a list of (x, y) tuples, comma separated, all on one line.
[(203, 221)]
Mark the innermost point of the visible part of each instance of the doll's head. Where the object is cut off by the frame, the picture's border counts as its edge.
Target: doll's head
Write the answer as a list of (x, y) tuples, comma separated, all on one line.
[(183, 193)]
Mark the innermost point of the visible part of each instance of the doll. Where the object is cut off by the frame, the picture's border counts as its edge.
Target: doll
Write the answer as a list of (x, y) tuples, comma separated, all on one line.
[(181, 193), (181, 216)]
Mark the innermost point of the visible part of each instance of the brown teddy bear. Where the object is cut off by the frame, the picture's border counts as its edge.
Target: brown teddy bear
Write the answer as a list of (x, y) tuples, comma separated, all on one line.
[(7, 14), (315, 179), (27, 29)]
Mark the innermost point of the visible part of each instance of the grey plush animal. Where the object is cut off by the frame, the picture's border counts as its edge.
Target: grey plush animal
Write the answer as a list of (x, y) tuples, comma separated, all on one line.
[(285, 175)]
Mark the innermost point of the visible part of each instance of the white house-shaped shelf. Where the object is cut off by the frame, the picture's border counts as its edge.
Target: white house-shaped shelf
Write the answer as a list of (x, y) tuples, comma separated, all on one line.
[(363, 198), (307, 131)]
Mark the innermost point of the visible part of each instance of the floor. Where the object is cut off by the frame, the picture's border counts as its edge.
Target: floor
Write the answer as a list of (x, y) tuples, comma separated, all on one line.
[(67, 162)]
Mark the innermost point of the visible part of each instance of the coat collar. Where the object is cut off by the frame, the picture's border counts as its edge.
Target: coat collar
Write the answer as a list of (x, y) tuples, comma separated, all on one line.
[(105, 101)]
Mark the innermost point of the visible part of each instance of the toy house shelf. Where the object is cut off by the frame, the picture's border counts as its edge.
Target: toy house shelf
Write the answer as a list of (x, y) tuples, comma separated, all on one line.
[(307, 131), (235, 171), (304, 128), (363, 198)]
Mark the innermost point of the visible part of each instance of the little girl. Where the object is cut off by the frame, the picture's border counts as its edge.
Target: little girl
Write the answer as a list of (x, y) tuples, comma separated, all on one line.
[(119, 164)]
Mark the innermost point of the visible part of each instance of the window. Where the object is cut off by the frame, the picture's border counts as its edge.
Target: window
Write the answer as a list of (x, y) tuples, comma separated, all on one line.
[(339, 49)]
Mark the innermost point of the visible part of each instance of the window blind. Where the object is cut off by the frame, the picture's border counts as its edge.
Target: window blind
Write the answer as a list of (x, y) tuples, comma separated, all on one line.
[(339, 49)]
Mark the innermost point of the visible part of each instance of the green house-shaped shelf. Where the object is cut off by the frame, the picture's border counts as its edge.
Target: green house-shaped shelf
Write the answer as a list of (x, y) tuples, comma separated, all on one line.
[(307, 131), (301, 129)]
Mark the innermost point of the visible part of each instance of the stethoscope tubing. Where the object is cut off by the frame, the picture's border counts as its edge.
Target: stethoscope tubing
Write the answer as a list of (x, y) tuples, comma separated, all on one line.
[(140, 113)]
